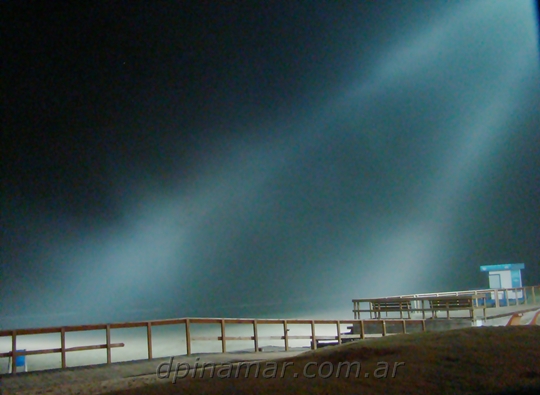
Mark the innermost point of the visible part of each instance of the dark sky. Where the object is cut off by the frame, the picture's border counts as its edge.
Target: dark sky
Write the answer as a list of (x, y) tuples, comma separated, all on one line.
[(276, 158)]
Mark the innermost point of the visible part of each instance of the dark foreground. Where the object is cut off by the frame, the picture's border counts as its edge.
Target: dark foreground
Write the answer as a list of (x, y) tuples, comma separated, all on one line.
[(487, 360)]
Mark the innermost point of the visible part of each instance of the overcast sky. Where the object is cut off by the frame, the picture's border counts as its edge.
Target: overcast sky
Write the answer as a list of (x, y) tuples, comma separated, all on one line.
[(278, 158)]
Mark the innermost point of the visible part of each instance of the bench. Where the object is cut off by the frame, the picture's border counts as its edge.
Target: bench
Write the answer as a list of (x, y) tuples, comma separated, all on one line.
[(456, 303), (391, 305)]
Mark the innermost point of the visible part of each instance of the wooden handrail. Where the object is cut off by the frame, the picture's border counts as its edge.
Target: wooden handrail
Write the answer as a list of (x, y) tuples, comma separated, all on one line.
[(528, 294), (533, 289), (188, 322), (436, 303)]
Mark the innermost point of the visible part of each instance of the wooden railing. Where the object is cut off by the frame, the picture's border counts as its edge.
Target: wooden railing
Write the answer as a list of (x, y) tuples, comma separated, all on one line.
[(520, 295), (187, 322), (432, 305)]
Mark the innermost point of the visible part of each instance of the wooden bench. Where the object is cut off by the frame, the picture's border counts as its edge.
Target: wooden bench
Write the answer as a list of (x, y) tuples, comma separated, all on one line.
[(391, 305), (455, 303)]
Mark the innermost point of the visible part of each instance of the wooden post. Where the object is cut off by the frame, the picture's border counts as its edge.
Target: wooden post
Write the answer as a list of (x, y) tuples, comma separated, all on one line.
[(286, 335), (223, 343), (497, 304), (14, 352), (338, 327), (108, 336), (149, 339), (63, 346), (255, 336), (313, 338), (423, 325), (506, 296), (362, 330), (383, 323), (188, 338)]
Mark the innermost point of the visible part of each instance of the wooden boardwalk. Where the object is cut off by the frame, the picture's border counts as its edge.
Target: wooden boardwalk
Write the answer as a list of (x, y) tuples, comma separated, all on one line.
[(483, 305)]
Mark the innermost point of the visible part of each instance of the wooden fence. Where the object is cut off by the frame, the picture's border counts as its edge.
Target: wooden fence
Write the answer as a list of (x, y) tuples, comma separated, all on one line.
[(339, 337)]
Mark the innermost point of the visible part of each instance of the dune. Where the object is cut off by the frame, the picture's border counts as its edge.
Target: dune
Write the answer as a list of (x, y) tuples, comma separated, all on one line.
[(477, 360), (485, 360)]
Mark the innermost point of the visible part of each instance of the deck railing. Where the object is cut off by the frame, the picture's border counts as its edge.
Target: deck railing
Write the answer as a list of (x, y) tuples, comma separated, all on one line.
[(519, 295), (187, 323)]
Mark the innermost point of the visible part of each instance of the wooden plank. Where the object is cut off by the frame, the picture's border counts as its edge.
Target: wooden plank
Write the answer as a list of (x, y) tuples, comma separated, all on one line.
[(205, 338), (31, 331), (33, 352), (223, 340), (94, 347), (188, 337), (248, 321), (63, 347), (205, 320), (286, 335), (108, 339), (280, 322), (81, 328), (255, 336), (313, 339), (171, 321), (14, 352), (309, 321), (237, 338), (149, 339), (123, 325)]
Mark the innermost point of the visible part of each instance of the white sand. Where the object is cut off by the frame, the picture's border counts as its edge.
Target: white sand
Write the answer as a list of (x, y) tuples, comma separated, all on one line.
[(166, 341)]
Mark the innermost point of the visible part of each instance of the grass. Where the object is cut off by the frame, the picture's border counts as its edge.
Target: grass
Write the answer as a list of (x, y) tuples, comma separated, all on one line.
[(485, 360)]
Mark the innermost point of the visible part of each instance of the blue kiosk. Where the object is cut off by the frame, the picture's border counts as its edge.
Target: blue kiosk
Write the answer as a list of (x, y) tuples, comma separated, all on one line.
[(506, 275)]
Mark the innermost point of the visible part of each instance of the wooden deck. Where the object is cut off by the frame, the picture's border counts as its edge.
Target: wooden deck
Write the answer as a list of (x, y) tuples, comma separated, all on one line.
[(487, 304)]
